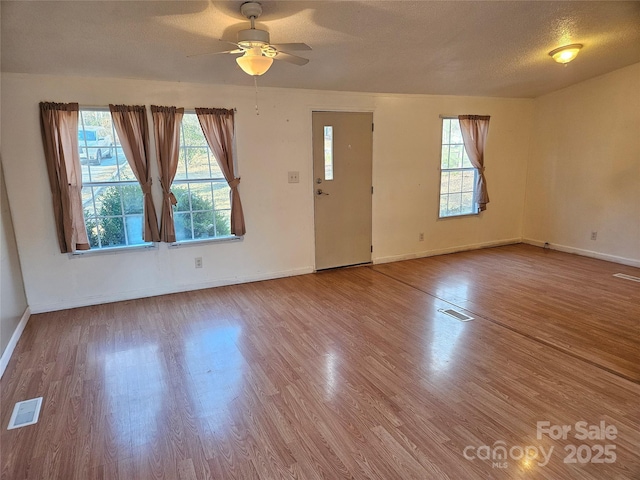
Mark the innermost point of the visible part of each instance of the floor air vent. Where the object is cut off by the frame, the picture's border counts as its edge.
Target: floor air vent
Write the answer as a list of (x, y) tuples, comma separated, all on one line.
[(627, 277), (456, 314), (25, 413)]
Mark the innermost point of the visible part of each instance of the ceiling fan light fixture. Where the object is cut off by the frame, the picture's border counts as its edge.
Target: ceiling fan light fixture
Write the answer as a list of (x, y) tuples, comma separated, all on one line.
[(566, 54), (253, 37), (253, 64), (255, 45)]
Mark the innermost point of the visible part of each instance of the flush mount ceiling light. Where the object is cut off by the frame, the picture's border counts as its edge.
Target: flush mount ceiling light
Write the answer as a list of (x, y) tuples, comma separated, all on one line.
[(566, 54)]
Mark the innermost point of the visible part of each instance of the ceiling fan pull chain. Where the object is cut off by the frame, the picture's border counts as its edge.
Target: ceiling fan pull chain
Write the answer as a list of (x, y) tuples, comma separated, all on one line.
[(255, 82)]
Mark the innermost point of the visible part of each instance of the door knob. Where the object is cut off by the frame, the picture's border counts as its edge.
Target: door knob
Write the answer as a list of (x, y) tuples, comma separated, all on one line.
[(320, 192)]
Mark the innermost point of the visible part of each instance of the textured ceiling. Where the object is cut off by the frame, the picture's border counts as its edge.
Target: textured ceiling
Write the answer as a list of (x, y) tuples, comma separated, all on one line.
[(431, 47)]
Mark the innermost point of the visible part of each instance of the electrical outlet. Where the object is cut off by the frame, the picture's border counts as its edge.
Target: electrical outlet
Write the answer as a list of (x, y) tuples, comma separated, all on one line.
[(421, 237), (294, 177), (198, 262), (594, 235)]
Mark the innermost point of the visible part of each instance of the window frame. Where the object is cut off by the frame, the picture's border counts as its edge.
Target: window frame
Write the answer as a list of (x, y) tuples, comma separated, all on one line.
[(475, 211), (209, 180), (98, 250), (101, 250), (328, 164)]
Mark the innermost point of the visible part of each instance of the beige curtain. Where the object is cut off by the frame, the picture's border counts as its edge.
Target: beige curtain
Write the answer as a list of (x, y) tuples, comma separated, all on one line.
[(59, 128), (474, 133), (130, 122), (166, 123), (219, 130)]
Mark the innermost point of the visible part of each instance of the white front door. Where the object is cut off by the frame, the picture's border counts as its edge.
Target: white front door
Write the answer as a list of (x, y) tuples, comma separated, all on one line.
[(342, 159)]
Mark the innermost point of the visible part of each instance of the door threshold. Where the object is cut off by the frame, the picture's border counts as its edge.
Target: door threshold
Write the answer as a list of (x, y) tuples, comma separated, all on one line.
[(355, 265)]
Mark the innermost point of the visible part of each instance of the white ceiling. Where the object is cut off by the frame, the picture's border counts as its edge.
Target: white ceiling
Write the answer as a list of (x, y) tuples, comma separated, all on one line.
[(489, 48)]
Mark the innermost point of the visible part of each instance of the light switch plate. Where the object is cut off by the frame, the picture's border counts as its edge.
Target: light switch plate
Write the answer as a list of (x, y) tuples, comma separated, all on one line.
[(294, 177)]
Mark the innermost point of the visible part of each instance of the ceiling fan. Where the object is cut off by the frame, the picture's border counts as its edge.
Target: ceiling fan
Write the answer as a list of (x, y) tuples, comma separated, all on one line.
[(254, 44)]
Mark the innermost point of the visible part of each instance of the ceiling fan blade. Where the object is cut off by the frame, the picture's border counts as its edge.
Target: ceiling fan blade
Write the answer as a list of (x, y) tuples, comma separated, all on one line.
[(287, 57), (214, 53), (292, 47), (222, 44)]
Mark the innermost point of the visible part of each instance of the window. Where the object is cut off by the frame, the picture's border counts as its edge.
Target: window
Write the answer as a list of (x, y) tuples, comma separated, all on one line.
[(204, 205), (457, 175), (111, 195), (328, 152)]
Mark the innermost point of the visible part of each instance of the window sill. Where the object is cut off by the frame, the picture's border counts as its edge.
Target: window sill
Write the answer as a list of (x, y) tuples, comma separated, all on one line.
[(188, 243), (458, 216), (112, 250)]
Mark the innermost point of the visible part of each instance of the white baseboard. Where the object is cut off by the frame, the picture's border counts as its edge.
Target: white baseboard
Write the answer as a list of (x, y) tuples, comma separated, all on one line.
[(143, 293), (585, 253), (444, 251), (153, 292), (17, 333)]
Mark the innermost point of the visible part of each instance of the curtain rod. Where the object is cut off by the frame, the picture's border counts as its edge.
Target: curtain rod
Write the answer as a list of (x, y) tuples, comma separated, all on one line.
[(456, 116), (106, 107)]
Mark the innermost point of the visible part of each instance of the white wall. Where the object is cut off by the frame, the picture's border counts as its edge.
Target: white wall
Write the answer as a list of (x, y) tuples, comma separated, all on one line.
[(584, 168), (279, 215), (407, 144), (13, 301)]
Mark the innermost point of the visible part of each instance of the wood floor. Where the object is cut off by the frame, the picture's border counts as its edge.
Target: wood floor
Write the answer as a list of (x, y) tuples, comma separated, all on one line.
[(351, 373), (563, 301)]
